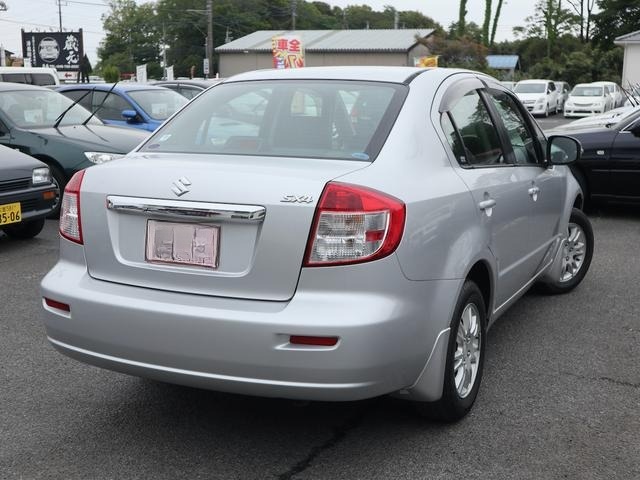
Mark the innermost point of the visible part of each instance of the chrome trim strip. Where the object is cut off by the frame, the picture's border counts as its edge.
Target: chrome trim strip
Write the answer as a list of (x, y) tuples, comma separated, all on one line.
[(202, 211), (209, 376)]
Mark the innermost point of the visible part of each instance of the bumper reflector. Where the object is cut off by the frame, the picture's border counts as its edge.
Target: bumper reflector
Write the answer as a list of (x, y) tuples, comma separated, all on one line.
[(57, 305), (50, 195), (306, 340)]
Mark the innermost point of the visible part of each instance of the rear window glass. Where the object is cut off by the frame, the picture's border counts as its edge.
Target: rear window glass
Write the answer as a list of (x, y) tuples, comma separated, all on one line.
[(42, 79), (295, 118)]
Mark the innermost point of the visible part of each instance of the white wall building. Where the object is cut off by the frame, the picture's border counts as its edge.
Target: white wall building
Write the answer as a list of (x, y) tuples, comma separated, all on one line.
[(631, 68), (327, 47)]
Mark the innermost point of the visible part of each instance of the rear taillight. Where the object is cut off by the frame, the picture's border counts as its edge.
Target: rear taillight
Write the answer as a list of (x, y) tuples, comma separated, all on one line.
[(354, 224), (70, 223)]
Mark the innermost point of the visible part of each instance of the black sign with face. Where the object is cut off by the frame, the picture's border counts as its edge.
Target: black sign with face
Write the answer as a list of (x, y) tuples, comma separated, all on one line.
[(59, 50)]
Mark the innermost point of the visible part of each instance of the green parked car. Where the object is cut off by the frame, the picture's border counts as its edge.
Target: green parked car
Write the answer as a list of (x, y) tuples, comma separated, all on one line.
[(48, 126)]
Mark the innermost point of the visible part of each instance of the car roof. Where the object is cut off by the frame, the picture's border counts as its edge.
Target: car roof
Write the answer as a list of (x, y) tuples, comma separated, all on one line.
[(199, 83), (12, 87), (362, 73), (536, 80), (120, 87)]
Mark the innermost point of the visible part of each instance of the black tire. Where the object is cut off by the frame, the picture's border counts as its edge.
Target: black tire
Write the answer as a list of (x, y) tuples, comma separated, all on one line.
[(454, 404), (559, 286), (60, 181), (24, 230)]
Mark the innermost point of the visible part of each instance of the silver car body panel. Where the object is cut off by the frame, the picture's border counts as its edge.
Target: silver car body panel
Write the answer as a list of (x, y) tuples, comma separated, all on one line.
[(228, 329)]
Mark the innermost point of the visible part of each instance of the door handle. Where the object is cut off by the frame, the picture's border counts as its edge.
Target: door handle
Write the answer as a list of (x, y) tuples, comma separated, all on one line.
[(487, 206), (533, 192)]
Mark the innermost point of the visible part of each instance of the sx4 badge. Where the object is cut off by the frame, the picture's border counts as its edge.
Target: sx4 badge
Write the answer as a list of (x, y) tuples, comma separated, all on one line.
[(297, 199)]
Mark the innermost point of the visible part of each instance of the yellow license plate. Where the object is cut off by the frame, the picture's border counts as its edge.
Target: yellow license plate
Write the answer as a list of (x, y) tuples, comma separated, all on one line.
[(10, 213)]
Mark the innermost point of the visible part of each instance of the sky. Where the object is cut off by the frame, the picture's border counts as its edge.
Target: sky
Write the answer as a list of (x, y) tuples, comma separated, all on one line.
[(33, 15)]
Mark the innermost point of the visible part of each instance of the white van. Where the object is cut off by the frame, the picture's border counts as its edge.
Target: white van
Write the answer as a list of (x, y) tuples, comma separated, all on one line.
[(41, 76), (539, 96)]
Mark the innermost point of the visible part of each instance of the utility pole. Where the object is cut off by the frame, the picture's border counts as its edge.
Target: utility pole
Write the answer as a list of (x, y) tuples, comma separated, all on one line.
[(164, 49), (60, 13), (210, 37), (294, 5)]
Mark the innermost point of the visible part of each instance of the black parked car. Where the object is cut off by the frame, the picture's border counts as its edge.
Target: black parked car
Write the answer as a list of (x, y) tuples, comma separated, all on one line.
[(67, 137), (609, 169), (27, 194)]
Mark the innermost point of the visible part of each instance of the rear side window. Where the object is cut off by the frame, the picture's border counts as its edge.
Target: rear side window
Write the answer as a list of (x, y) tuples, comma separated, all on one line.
[(293, 118), (14, 77), (479, 137), (84, 95), (42, 79)]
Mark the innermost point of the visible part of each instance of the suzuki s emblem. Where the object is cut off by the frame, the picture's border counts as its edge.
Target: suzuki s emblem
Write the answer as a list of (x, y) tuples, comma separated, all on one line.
[(297, 199), (181, 186)]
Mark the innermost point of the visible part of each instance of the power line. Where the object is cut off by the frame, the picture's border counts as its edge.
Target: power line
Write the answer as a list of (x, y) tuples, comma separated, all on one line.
[(44, 25)]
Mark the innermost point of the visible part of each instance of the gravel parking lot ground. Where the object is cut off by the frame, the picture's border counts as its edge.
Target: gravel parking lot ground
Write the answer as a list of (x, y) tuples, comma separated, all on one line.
[(559, 400)]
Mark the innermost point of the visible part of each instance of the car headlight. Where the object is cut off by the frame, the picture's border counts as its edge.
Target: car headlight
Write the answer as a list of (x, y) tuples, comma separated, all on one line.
[(102, 157), (40, 175), (540, 101), (569, 103)]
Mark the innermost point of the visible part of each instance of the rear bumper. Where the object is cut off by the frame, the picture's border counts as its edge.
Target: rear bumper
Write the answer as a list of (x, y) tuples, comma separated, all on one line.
[(242, 346)]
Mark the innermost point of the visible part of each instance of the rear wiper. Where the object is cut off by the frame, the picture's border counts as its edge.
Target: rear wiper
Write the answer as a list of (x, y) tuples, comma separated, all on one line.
[(61, 116), (101, 103)]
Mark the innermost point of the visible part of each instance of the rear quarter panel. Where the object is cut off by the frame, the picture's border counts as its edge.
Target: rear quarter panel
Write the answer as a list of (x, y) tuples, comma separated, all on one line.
[(443, 234)]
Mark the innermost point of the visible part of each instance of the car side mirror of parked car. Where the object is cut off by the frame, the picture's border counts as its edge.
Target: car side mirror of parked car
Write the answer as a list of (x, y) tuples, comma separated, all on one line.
[(131, 116), (562, 150)]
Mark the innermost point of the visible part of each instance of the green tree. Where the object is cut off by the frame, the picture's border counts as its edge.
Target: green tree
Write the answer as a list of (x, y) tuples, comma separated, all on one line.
[(110, 74), (461, 27), (550, 21), (584, 12), (132, 30), (615, 18), (459, 53)]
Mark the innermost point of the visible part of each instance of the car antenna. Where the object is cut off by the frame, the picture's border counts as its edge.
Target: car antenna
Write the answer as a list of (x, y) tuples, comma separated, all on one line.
[(61, 116), (101, 103)]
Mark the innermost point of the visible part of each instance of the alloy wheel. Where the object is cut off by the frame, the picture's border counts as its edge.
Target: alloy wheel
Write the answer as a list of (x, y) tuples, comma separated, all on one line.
[(573, 253), (466, 358)]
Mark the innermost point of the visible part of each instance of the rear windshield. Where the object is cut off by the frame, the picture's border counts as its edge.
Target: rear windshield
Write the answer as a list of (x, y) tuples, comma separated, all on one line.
[(530, 88), (586, 92), (294, 118)]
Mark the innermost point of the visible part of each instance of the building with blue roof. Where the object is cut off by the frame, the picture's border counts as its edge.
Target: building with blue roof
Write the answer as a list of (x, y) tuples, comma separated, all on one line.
[(505, 64)]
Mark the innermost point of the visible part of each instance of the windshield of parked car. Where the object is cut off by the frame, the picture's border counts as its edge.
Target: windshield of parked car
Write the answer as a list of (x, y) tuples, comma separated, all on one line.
[(530, 88), (627, 120), (159, 104), (41, 108), (591, 91), (294, 118)]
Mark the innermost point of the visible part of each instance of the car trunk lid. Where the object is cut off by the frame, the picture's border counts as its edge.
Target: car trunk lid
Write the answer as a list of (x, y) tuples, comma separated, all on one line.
[(256, 213)]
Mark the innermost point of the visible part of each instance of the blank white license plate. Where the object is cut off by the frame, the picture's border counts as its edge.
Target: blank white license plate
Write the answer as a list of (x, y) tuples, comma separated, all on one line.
[(183, 243)]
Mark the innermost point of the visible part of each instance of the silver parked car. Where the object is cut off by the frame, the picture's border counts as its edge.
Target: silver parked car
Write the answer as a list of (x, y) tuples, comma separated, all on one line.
[(321, 233)]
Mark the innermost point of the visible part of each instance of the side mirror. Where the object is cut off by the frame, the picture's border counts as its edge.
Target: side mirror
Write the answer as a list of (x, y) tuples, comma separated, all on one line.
[(130, 115), (563, 150)]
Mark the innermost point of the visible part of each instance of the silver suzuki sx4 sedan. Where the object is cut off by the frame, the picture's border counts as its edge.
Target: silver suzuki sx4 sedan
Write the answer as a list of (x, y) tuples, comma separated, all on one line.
[(332, 233)]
